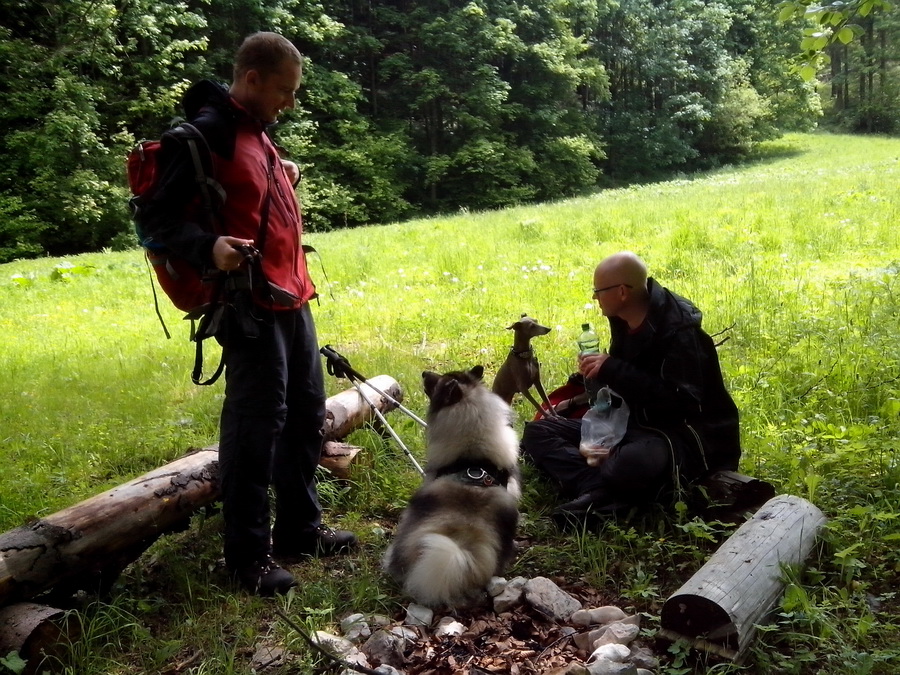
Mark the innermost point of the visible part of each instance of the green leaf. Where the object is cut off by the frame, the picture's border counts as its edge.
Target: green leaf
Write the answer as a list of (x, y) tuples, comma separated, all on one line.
[(847, 551), (808, 73), (786, 13), (845, 35), (14, 662)]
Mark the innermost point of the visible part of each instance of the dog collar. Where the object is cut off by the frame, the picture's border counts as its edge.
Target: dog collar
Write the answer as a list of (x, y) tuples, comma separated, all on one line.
[(476, 474), (525, 354)]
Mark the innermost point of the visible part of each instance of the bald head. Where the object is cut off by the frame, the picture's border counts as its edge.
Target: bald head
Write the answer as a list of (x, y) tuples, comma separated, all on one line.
[(620, 286), (622, 268)]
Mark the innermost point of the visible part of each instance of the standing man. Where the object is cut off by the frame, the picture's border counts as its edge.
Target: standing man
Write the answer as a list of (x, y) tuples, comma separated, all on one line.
[(274, 408), (682, 420)]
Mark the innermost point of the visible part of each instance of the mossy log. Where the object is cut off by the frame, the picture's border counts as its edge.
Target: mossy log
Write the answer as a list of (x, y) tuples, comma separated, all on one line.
[(86, 546)]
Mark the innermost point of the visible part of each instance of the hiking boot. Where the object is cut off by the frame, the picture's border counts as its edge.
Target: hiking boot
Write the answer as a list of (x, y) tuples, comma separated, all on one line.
[(264, 578), (316, 543), (588, 509)]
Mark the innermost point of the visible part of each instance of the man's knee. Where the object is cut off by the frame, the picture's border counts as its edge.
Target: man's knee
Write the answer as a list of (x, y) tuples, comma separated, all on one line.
[(538, 438)]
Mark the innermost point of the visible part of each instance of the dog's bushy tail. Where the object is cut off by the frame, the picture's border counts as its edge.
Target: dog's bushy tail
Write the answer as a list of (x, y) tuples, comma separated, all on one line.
[(445, 573)]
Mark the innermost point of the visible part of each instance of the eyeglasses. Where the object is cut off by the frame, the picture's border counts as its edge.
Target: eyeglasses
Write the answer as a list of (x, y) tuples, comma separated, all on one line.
[(598, 291)]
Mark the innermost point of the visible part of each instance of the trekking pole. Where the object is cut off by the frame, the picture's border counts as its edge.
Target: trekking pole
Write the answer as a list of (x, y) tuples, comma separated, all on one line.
[(338, 363), (340, 368)]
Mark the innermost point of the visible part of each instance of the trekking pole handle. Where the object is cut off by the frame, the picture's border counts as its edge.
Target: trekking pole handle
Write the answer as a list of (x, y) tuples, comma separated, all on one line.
[(338, 365)]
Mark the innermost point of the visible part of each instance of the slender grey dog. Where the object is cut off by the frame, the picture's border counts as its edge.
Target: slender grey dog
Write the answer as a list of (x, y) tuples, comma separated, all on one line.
[(521, 370)]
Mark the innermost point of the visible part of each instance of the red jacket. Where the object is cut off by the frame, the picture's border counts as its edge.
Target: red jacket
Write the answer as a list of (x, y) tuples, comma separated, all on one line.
[(243, 156)]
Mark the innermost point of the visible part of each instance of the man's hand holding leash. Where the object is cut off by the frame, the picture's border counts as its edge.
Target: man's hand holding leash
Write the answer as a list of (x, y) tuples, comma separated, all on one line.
[(229, 252)]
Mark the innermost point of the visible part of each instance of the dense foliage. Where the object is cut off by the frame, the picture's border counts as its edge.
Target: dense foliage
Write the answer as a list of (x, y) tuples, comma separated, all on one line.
[(854, 45), (407, 108)]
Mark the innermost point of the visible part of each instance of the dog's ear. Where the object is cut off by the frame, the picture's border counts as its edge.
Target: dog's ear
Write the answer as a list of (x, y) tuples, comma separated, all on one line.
[(513, 327), (445, 393), (429, 382), (477, 372)]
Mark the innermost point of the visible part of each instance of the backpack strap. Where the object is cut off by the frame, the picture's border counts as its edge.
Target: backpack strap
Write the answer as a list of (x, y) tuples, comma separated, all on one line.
[(205, 182)]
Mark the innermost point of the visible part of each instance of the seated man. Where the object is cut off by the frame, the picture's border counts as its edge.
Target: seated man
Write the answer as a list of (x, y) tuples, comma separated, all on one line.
[(683, 422)]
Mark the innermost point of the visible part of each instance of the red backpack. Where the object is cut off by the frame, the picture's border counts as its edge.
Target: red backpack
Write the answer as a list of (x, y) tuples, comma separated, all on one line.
[(569, 400), (190, 290)]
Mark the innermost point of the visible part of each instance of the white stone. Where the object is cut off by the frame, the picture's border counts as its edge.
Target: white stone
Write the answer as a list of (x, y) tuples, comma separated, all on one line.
[(405, 633), (586, 641), (610, 652), (356, 657), (449, 627), (355, 627), (495, 586), (385, 669), (581, 618), (418, 615), (644, 659), (618, 633), (335, 643), (604, 667), (634, 619), (510, 596), (606, 614), (549, 599), (267, 656), (385, 647)]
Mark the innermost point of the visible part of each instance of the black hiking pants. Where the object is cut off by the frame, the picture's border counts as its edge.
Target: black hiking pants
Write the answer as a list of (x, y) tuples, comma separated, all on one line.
[(271, 434), (637, 471)]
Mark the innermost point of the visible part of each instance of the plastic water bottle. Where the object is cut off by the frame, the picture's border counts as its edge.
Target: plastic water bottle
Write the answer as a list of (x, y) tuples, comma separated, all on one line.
[(588, 341)]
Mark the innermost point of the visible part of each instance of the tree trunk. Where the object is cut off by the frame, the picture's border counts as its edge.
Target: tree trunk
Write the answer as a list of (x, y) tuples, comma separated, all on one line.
[(718, 608), (87, 545)]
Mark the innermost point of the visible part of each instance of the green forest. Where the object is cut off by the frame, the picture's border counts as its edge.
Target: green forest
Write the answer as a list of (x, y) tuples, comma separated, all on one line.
[(422, 107), (414, 108)]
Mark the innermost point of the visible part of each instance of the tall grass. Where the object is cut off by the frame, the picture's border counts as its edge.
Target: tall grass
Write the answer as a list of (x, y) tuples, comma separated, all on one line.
[(794, 258)]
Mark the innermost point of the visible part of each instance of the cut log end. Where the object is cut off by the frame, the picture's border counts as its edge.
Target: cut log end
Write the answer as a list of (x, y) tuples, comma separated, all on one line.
[(337, 458), (697, 618), (35, 632)]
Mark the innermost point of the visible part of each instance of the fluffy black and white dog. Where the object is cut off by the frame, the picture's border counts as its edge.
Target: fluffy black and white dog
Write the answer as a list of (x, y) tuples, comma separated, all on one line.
[(458, 529)]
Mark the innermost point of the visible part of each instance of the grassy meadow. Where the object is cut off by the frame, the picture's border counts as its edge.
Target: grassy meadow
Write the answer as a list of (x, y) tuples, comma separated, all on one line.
[(793, 257)]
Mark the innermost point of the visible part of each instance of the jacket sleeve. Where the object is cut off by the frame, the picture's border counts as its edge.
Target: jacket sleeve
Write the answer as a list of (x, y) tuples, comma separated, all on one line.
[(165, 220), (674, 392)]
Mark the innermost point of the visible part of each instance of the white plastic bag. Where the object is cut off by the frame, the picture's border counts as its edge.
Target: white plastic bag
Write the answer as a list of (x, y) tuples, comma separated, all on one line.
[(603, 426)]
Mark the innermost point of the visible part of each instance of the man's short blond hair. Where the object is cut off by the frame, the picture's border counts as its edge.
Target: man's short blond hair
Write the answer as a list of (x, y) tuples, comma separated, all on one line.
[(266, 53)]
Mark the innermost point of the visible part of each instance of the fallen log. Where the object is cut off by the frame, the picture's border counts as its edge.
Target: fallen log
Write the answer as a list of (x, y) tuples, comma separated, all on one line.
[(718, 609), (347, 411), (35, 632), (86, 546)]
